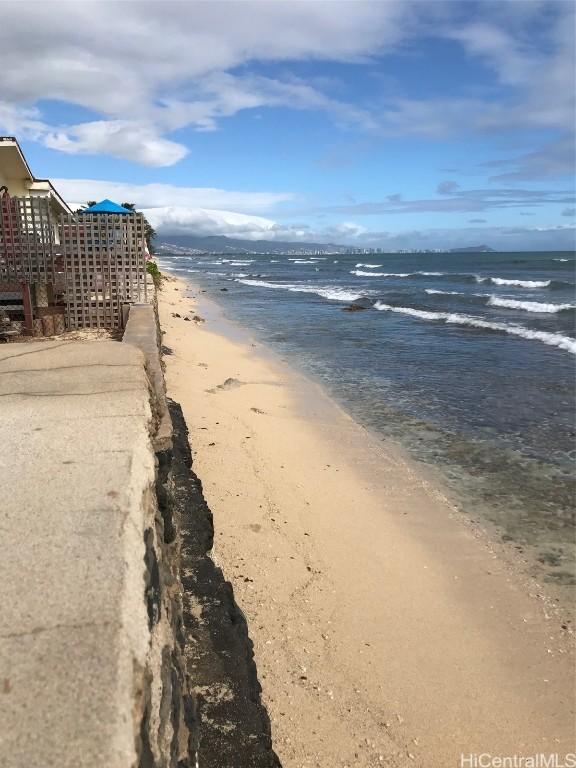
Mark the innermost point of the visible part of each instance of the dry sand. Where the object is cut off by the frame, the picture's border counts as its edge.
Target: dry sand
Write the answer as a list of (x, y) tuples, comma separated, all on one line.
[(387, 631)]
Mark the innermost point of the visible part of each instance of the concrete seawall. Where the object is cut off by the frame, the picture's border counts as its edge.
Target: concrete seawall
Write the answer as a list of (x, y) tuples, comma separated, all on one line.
[(106, 659)]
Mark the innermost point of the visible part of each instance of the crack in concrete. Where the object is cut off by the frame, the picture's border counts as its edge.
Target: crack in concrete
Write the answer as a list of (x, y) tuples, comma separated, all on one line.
[(67, 367), (35, 351), (39, 630), (68, 394)]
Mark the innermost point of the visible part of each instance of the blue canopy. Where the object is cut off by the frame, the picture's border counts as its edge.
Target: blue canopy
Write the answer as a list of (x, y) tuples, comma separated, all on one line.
[(106, 206)]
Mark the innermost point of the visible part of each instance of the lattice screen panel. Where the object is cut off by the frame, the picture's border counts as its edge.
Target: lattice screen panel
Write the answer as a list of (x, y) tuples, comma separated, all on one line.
[(105, 267), (28, 240)]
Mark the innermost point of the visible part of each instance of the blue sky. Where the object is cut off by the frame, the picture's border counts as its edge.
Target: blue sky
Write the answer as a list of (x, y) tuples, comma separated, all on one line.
[(387, 123)]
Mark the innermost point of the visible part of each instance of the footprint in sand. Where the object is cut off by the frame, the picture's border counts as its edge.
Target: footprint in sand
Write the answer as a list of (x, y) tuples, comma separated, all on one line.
[(228, 384), (257, 410)]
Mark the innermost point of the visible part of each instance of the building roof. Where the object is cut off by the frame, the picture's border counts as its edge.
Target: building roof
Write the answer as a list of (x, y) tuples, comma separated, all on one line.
[(37, 185), (15, 165), (106, 206), (14, 160)]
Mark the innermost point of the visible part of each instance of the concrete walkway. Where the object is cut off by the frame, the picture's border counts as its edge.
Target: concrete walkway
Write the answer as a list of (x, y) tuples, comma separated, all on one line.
[(76, 487)]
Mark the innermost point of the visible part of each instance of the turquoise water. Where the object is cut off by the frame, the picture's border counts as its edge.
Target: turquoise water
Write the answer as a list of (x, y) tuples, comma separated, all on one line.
[(466, 359)]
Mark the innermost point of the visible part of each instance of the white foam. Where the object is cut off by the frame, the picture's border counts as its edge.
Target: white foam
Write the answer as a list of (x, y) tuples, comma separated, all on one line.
[(516, 283), (334, 294), (453, 318), (360, 273), (528, 306), (444, 293), (368, 266), (560, 259)]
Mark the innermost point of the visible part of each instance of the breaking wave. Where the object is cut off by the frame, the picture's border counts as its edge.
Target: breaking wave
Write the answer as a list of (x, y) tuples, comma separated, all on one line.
[(496, 301), (453, 318), (360, 273), (528, 306), (334, 294), (433, 291), (516, 283), (369, 266)]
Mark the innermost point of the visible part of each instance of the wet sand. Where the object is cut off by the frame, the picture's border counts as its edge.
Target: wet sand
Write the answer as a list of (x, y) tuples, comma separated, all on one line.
[(387, 629)]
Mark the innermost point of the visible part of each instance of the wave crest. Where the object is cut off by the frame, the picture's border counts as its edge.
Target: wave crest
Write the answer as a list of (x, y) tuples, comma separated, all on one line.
[(515, 283), (453, 318), (360, 273), (333, 294), (528, 306)]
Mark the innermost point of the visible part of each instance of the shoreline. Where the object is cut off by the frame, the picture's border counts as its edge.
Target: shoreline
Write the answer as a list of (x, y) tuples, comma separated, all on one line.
[(385, 631), (519, 555)]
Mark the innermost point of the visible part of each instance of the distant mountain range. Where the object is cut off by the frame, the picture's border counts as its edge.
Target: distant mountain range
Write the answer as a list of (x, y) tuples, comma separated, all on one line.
[(232, 245), (473, 249), (223, 244)]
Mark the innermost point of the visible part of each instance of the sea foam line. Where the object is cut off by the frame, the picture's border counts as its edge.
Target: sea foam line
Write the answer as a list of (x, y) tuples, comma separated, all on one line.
[(334, 294), (528, 306), (453, 318), (516, 283), (369, 266), (497, 301), (360, 273), (433, 291)]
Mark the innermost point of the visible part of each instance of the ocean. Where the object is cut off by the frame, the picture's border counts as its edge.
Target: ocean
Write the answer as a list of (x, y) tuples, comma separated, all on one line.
[(466, 360)]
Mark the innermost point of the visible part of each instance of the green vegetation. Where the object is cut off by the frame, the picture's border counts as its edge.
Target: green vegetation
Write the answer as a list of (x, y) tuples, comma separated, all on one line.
[(152, 269), (149, 231)]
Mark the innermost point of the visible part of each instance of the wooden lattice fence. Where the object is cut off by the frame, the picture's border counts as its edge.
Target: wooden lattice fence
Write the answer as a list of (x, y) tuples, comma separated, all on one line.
[(81, 267), (28, 241), (104, 267)]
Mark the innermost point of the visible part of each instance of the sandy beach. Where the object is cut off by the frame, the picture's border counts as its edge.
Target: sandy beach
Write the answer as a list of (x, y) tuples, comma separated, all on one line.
[(387, 630)]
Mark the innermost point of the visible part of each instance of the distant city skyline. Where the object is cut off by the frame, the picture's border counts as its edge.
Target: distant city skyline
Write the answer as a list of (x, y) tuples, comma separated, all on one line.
[(394, 125)]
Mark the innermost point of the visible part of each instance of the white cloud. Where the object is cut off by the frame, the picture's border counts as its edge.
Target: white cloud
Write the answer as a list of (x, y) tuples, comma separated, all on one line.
[(129, 140), (143, 70), (151, 196), (203, 222), (137, 65), (347, 230), (499, 238), (176, 220)]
